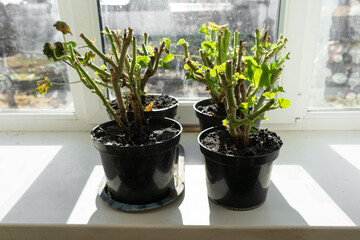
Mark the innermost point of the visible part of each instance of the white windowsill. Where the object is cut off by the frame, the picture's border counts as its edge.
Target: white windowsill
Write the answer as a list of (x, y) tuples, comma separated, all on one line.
[(48, 184)]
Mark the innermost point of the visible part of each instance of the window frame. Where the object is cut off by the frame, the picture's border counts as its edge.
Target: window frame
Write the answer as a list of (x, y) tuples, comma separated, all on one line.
[(88, 110), (304, 17), (294, 17)]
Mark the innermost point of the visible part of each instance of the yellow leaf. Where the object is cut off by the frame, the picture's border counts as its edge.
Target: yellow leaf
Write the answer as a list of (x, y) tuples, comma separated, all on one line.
[(62, 27), (148, 108), (43, 86)]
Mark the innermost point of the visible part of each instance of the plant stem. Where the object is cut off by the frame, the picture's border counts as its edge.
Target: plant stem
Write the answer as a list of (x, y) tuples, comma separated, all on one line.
[(110, 35), (97, 51)]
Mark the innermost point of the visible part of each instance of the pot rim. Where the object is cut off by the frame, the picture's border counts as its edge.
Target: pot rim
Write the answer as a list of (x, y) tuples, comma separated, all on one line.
[(202, 113), (235, 160), (161, 109), (101, 146)]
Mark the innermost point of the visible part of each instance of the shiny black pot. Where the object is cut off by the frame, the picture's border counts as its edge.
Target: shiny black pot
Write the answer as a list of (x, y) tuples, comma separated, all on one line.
[(236, 182), (140, 174), (207, 120)]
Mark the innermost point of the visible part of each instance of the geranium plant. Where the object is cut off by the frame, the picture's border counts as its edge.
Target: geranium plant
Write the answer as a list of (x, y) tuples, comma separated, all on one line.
[(246, 84), (127, 70)]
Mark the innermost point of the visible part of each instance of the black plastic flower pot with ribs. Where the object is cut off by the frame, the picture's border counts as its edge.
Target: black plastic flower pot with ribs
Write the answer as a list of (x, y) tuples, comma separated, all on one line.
[(235, 181), (139, 174)]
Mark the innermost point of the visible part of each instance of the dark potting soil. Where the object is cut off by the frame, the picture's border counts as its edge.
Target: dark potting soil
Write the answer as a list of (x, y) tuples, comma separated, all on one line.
[(112, 135), (158, 101), (260, 143), (213, 110)]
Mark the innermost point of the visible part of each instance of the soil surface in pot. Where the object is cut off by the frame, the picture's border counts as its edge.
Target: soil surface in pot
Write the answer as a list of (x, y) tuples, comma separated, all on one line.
[(213, 110), (260, 143), (112, 135), (152, 101)]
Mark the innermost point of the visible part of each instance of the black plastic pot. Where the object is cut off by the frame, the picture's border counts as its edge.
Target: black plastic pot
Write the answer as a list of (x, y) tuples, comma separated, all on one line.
[(207, 120), (140, 174), (169, 112), (236, 182)]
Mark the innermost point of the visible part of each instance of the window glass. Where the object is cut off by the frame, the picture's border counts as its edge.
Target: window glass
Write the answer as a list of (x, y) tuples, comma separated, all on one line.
[(336, 77), (182, 19), (24, 28)]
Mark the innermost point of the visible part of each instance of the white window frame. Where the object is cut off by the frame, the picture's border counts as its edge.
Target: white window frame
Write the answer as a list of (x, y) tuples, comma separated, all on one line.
[(299, 21), (88, 110)]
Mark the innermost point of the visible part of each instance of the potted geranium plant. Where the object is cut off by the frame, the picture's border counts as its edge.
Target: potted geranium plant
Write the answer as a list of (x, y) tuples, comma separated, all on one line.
[(215, 50), (239, 157), (138, 153)]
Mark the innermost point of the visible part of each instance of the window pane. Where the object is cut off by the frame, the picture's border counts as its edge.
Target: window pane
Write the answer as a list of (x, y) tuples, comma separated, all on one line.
[(176, 20), (24, 28), (336, 76)]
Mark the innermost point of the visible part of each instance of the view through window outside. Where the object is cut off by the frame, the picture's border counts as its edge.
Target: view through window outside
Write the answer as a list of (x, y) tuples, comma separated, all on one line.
[(182, 19), (336, 76), (24, 28)]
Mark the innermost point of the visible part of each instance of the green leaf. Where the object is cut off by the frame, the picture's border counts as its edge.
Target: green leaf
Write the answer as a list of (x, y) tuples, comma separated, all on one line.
[(168, 58), (272, 67), (284, 103), (150, 50), (204, 29), (278, 89), (142, 60), (88, 57), (261, 76), (244, 105), (189, 75), (182, 41), (167, 43), (250, 61), (220, 68), (213, 72), (270, 95), (186, 67), (250, 68), (166, 66), (208, 45)]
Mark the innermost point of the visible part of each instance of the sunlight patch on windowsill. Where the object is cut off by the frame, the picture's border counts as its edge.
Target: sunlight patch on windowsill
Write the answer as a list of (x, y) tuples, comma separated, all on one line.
[(307, 197), (19, 169), (350, 153), (195, 208), (85, 205)]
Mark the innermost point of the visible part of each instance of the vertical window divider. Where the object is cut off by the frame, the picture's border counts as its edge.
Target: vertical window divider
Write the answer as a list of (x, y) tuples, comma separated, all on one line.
[(83, 17)]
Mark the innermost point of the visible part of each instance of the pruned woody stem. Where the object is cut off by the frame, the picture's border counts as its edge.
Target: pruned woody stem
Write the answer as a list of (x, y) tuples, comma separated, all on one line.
[(125, 71), (244, 84)]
